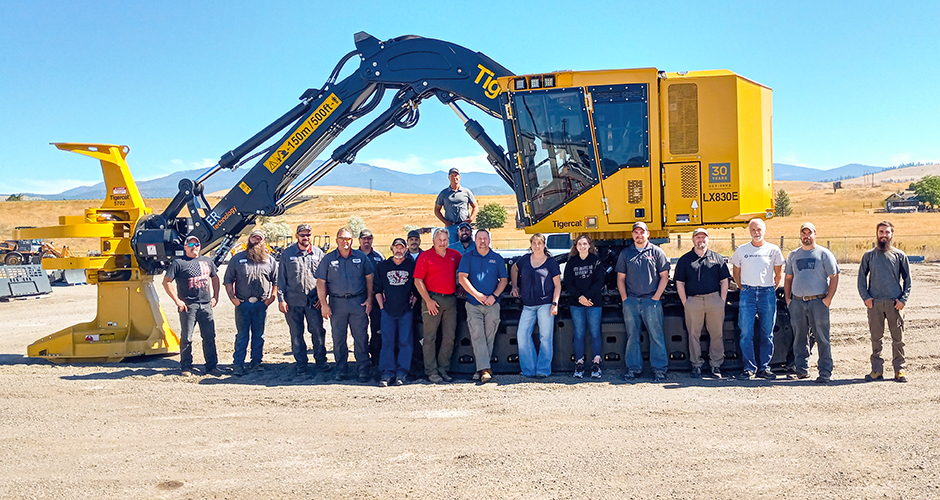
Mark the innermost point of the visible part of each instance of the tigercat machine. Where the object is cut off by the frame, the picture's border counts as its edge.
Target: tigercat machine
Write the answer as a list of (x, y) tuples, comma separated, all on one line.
[(587, 151), (130, 321)]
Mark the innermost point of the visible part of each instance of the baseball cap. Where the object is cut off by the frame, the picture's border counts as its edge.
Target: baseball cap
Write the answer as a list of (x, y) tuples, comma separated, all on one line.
[(700, 230), (192, 237), (453, 171), (414, 234), (257, 232), (640, 224), (808, 225), (464, 224), (365, 233), (303, 227), (399, 241)]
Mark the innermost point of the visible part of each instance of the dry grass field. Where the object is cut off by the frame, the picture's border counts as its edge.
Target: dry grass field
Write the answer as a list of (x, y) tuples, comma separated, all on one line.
[(845, 219)]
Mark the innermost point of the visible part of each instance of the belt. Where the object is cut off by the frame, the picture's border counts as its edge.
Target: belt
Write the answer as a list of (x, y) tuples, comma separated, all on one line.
[(808, 297), (347, 295), (252, 299)]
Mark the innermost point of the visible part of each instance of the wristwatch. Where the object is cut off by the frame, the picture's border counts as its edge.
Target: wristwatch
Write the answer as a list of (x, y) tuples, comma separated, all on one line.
[(554, 303)]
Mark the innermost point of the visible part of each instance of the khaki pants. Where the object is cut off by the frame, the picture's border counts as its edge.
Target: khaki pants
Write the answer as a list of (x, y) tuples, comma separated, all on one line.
[(705, 310), (884, 310), (438, 360), (482, 322)]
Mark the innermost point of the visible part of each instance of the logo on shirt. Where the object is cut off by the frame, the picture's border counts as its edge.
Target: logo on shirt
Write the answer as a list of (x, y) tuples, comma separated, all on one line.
[(201, 280), (397, 277), (805, 264)]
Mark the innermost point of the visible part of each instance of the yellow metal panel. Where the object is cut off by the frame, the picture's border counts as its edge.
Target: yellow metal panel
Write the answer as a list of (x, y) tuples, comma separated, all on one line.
[(683, 194)]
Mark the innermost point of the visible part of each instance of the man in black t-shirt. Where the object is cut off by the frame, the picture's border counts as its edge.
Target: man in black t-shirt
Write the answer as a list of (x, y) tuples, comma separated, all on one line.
[(195, 298), (702, 282), (395, 294)]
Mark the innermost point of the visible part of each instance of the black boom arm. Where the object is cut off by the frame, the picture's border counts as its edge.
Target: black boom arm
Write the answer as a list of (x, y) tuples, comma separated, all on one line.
[(416, 68)]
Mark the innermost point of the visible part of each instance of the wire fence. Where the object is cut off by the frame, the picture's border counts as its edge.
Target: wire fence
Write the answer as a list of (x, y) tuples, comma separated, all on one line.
[(847, 249)]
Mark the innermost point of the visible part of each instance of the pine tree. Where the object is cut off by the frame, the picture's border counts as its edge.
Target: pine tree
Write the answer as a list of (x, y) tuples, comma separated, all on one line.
[(782, 204)]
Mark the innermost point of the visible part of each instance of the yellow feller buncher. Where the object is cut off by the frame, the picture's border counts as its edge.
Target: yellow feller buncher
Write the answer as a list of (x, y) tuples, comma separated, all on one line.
[(586, 152), (130, 321)]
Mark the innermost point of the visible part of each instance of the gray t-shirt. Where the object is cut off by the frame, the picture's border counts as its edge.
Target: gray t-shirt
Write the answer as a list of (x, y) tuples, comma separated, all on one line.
[(456, 203), (641, 268), (251, 279), (810, 270)]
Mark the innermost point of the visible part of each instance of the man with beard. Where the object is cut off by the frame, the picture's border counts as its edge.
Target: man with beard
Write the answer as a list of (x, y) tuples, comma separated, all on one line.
[(642, 275), (464, 241), (297, 299), (884, 282), (345, 276), (375, 317), (812, 276), (251, 284), (195, 298), (394, 292), (702, 282)]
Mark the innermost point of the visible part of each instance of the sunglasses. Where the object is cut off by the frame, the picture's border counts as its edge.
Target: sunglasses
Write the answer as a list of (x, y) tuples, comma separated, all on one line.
[(192, 245), (343, 239), (304, 235)]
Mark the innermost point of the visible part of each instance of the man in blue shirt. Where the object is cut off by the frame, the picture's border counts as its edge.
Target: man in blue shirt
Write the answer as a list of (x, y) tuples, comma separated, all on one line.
[(642, 275), (482, 273)]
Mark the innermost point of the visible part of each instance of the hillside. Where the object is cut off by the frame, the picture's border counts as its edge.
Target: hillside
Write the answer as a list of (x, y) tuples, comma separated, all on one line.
[(897, 175)]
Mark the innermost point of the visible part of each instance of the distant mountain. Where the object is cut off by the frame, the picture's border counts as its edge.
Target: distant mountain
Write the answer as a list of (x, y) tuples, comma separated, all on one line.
[(361, 175), (784, 172), (357, 175)]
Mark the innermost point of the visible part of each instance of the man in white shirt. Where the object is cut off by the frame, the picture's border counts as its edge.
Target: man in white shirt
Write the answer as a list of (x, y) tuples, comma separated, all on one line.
[(758, 266)]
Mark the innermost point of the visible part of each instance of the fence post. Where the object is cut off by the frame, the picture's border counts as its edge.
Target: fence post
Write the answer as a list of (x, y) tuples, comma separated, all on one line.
[(846, 248), (781, 243), (733, 247), (678, 241)]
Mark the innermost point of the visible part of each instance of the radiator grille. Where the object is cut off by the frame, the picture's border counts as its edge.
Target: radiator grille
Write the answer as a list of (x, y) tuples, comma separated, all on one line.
[(689, 177), (683, 118)]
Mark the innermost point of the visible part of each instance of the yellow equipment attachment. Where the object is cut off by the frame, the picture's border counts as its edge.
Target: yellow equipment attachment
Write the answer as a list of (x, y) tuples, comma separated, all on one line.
[(130, 321)]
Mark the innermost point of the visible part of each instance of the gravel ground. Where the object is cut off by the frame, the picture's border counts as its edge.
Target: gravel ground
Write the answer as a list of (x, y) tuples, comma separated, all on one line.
[(136, 429)]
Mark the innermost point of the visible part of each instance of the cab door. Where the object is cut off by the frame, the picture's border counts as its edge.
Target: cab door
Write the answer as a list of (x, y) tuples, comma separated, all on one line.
[(621, 128)]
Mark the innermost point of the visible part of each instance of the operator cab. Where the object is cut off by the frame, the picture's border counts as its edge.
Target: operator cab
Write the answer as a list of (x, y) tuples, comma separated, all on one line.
[(600, 150)]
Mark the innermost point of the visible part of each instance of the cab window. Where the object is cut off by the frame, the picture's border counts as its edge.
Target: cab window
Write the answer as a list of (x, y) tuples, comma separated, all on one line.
[(621, 122), (553, 138)]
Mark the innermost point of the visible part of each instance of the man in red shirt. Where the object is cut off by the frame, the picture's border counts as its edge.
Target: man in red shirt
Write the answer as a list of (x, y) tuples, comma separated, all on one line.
[(436, 281)]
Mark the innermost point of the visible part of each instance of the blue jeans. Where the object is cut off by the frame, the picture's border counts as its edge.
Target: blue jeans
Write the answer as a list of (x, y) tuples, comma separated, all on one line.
[(249, 320), (759, 302), (650, 312), (592, 316), (803, 315), (396, 333), (530, 363)]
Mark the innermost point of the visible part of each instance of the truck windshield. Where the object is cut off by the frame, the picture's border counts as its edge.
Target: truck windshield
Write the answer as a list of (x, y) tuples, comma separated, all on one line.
[(553, 138)]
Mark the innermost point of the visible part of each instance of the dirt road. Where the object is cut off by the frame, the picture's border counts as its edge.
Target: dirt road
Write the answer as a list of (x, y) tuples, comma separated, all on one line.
[(136, 430)]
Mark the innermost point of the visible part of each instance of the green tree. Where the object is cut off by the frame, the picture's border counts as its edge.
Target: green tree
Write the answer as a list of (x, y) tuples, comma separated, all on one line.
[(15, 197), (782, 206), (356, 224), (928, 189), (491, 216), (275, 230)]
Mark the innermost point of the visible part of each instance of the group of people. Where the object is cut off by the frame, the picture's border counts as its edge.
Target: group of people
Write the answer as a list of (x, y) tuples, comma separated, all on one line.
[(810, 279), (356, 288)]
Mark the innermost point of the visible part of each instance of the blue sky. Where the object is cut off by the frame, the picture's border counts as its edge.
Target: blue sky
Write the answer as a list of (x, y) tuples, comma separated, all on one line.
[(182, 83)]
